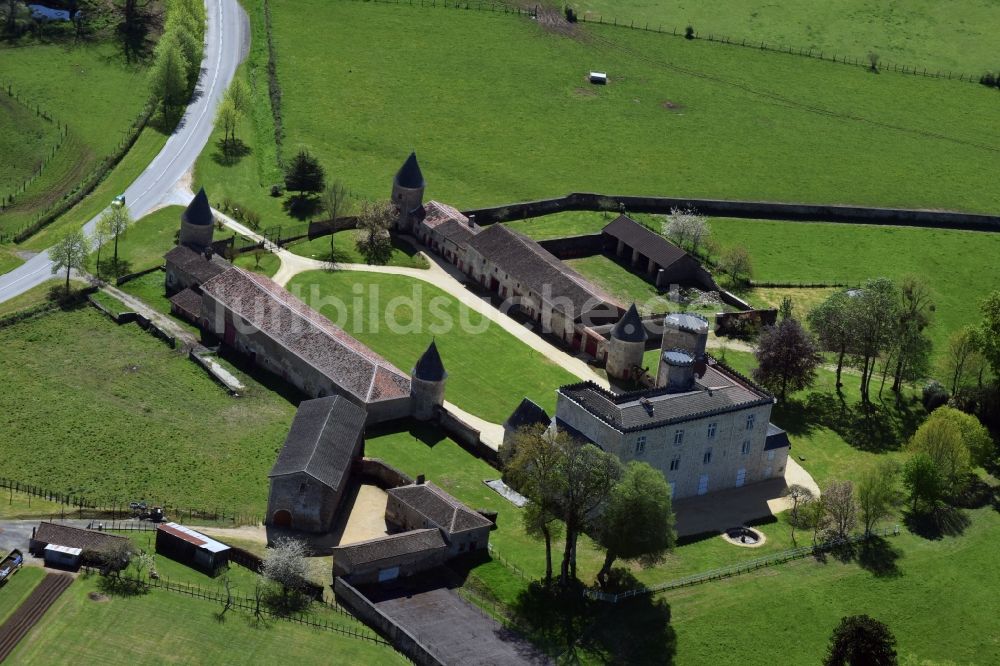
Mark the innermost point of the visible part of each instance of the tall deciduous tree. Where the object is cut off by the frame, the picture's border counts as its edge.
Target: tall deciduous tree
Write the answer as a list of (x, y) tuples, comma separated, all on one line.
[(335, 202), (975, 437), (736, 262), (118, 220), (228, 118), (70, 253), (940, 438), (831, 322), (787, 358), (168, 76), (239, 95), (687, 228), (800, 496), (285, 564), (988, 333), (877, 494), (860, 640), (304, 173), (637, 522), (962, 363), (102, 234), (924, 482), (912, 346), (374, 222), (873, 326), (841, 509)]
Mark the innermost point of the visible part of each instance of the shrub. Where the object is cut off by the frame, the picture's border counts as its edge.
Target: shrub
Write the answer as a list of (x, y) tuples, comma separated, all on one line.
[(570, 14), (934, 396), (689, 32), (252, 219), (988, 79), (276, 190)]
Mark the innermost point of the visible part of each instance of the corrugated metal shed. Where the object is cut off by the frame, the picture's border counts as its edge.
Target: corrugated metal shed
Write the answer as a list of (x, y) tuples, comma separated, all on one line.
[(196, 538)]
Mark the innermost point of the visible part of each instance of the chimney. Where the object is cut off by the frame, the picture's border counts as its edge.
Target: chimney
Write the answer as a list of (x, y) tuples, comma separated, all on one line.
[(472, 221), (420, 479)]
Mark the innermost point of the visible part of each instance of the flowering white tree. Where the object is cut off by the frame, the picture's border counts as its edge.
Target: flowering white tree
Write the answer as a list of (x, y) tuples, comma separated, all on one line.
[(686, 228)]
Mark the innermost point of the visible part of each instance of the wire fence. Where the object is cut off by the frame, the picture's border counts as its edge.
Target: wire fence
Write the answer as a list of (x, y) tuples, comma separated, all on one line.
[(10, 198), (72, 505), (740, 568)]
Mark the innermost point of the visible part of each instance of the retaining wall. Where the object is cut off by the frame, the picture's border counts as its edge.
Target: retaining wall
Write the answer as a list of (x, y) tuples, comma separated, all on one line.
[(572, 247), (467, 437), (767, 210), (381, 474), (400, 638)]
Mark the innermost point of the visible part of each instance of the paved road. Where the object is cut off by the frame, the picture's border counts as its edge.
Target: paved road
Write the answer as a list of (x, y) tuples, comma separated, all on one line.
[(227, 39)]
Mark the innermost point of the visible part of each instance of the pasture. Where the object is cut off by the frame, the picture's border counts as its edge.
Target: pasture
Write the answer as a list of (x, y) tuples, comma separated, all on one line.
[(489, 369), (108, 412), (950, 36), (89, 88)]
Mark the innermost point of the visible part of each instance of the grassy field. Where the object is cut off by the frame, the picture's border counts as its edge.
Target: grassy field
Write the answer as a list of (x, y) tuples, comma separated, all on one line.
[(265, 263), (25, 143), (958, 266), (88, 87), (109, 412), (488, 385), (346, 252), (744, 123), (797, 605), (168, 626), (949, 36), (145, 242)]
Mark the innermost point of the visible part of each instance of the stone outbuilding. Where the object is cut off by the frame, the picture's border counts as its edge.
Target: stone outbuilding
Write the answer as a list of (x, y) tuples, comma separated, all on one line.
[(627, 346), (427, 384), (312, 471), (653, 256), (390, 557), (423, 505), (69, 546)]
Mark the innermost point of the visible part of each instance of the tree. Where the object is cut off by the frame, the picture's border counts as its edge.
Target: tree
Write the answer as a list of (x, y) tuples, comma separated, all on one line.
[(814, 517), (831, 322), (787, 358), (375, 220), (637, 522), (335, 202), (183, 34), (800, 496), (873, 59), (988, 333), (102, 234), (585, 476), (285, 564), (304, 174), (962, 362), (787, 308), (860, 640), (924, 481), (873, 325), (239, 95), (877, 494), (736, 262), (168, 75), (940, 438), (912, 346), (686, 228), (118, 220), (115, 558), (841, 509), (228, 118), (70, 253), (531, 464), (975, 437)]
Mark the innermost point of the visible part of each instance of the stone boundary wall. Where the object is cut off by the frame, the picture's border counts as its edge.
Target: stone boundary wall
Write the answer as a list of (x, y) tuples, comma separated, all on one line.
[(198, 356), (129, 317), (380, 473), (400, 638), (467, 437), (131, 276), (586, 201)]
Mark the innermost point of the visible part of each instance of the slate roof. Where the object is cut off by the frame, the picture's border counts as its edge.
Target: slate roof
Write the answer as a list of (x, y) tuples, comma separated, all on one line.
[(687, 321), (439, 507), (195, 264), (526, 414), (720, 390), (447, 222), (372, 552), (309, 335), (75, 537), (199, 211), (409, 174), (649, 243), (429, 366), (776, 438), (188, 302), (535, 267), (322, 440), (629, 328)]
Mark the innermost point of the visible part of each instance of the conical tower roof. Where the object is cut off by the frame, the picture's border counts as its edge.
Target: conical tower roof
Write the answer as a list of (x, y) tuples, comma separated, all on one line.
[(629, 328), (409, 174), (198, 211), (430, 368)]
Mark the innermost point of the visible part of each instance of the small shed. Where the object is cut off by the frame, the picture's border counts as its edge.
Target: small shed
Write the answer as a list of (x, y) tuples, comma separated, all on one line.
[(65, 557), (598, 78), (191, 548)]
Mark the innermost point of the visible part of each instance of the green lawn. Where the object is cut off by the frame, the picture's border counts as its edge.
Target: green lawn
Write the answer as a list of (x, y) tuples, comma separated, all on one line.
[(936, 601), (958, 266), (954, 35), (346, 250), (168, 626), (145, 242), (558, 225), (8, 260), (746, 124), (34, 296), (109, 412), (17, 588), (26, 140), (88, 86), (262, 262), (490, 370)]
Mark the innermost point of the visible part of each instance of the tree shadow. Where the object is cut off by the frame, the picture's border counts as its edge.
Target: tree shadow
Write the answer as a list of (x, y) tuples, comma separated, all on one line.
[(976, 493), (878, 556), (635, 631), (935, 525), (229, 153), (302, 206)]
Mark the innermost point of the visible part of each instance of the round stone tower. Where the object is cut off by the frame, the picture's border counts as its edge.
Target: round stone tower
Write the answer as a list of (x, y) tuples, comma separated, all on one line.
[(628, 342), (686, 332), (408, 192), (197, 223), (427, 384), (677, 370)]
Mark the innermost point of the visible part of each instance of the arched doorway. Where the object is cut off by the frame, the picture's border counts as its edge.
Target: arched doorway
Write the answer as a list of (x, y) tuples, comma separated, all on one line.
[(281, 518)]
